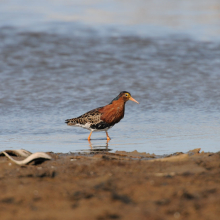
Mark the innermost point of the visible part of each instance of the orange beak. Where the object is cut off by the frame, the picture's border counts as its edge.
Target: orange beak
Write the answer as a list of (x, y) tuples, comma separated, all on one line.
[(133, 100)]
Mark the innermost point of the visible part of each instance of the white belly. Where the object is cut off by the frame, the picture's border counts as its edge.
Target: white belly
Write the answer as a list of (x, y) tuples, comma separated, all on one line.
[(87, 126)]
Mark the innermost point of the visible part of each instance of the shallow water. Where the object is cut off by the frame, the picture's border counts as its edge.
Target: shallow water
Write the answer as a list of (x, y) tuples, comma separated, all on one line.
[(57, 70)]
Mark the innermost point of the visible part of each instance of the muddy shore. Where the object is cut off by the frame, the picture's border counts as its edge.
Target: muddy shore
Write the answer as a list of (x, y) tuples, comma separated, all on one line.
[(104, 185)]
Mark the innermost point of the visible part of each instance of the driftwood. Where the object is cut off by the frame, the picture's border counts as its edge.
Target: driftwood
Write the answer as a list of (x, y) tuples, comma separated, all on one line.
[(38, 157)]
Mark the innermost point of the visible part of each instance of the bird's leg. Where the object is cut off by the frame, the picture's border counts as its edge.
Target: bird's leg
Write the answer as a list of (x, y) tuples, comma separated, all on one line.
[(89, 136), (108, 138)]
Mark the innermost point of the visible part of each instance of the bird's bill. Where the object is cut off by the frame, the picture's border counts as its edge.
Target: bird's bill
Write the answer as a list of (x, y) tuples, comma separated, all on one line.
[(132, 99)]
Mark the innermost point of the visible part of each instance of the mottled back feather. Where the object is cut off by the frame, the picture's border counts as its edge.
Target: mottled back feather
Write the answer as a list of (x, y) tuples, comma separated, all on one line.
[(91, 117)]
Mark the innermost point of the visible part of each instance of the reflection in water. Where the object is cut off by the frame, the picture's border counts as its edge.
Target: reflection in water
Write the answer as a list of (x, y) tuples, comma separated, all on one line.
[(98, 148)]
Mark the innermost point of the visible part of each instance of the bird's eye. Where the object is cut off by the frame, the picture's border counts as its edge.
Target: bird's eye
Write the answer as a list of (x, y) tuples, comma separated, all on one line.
[(126, 94)]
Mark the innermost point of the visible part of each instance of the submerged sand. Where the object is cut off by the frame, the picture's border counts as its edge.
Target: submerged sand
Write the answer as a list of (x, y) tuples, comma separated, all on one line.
[(104, 185)]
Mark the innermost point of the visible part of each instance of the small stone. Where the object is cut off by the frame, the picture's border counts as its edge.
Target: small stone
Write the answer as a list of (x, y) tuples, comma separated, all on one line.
[(176, 215)]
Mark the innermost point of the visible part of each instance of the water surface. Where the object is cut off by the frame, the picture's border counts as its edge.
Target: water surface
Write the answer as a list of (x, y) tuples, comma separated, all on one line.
[(52, 69)]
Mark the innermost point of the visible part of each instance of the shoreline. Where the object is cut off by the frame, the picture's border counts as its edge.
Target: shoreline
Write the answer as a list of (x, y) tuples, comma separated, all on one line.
[(126, 185)]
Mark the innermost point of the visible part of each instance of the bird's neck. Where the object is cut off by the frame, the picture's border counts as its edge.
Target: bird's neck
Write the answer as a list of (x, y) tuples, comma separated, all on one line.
[(120, 103), (113, 112)]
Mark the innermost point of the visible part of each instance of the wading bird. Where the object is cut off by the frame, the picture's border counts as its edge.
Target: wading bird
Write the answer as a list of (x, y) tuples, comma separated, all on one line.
[(103, 118)]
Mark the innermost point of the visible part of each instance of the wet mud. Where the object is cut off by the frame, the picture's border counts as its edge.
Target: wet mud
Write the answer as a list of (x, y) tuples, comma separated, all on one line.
[(121, 185)]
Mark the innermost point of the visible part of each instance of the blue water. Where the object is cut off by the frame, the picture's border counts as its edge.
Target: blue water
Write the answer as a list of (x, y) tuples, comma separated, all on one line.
[(61, 59)]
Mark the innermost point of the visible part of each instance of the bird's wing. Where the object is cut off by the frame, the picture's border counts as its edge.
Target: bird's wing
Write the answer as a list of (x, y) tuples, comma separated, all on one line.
[(91, 117)]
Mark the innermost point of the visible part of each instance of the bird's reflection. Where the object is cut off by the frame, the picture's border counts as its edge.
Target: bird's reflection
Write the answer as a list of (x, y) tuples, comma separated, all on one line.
[(99, 148)]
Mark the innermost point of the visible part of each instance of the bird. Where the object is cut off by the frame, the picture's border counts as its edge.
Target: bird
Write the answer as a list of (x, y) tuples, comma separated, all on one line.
[(103, 118)]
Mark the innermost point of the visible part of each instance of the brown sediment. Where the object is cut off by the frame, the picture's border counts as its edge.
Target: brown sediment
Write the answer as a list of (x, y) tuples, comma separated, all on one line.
[(123, 185)]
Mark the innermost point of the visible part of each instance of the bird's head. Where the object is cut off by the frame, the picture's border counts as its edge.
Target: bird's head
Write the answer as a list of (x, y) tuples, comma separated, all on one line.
[(125, 96)]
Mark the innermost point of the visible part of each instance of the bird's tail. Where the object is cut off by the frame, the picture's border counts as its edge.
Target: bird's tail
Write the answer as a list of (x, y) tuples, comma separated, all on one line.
[(74, 121), (71, 121)]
